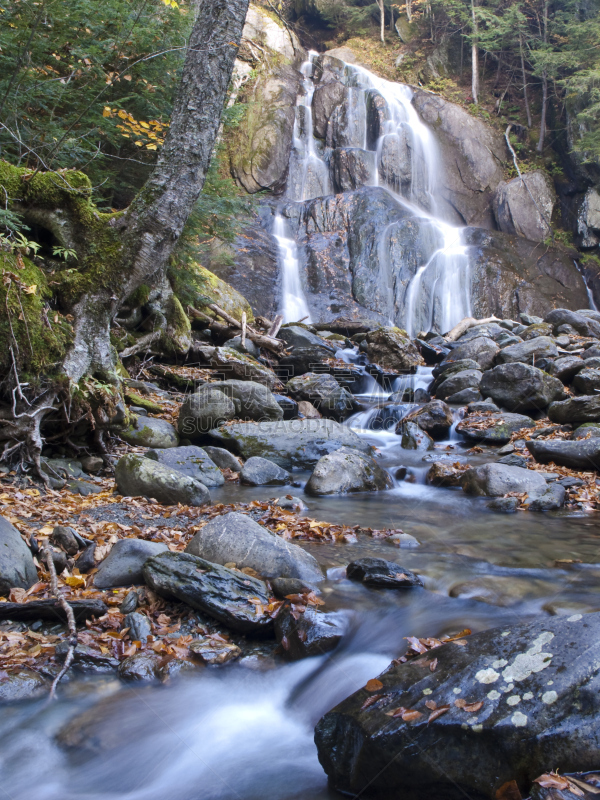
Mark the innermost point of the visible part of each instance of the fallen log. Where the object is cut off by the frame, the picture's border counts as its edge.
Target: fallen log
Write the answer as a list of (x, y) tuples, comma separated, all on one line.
[(52, 610), (464, 325), (276, 346)]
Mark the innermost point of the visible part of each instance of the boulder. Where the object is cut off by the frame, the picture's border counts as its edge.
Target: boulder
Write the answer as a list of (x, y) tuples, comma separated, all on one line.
[(214, 651), (480, 349), (306, 410), (479, 714), (585, 326), (237, 539), (576, 410), (136, 476), (17, 569), (295, 336), (139, 626), (284, 586), (223, 458), (392, 348), (440, 473), (493, 428), (446, 368), (524, 205), (347, 470), (351, 168), (464, 397), (191, 461), (21, 683), (123, 565), (378, 573), (251, 400), (288, 406), (435, 418), (140, 667), (238, 366), (552, 499), (592, 352), (231, 597), (291, 444), (259, 471), (150, 432), (325, 394), (457, 381), (261, 29), (329, 94), (66, 538), (521, 387), (581, 454), (589, 430), (565, 368), (413, 438), (312, 634), (528, 352), (496, 480), (587, 381), (534, 331), (202, 411)]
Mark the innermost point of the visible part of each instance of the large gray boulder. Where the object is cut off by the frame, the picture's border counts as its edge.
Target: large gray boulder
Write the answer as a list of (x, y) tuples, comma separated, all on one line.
[(123, 565), (150, 432), (17, 569), (251, 400), (520, 387), (259, 471), (202, 411), (347, 470), (136, 476), (496, 480), (565, 368), (240, 366), (493, 428), (392, 348), (528, 352), (223, 458), (576, 410), (312, 634), (481, 349), (378, 573), (585, 326), (457, 381), (324, 392), (232, 597), (499, 708), (581, 454), (291, 444), (191, 461), (524, 205), (587, 380), (435, 418), (238, 539), (329, 94)]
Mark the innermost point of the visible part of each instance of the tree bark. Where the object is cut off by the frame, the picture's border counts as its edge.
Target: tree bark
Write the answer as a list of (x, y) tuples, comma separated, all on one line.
[(409, 10), (381, 5), (525, 93), (474, 56), (540, 144)]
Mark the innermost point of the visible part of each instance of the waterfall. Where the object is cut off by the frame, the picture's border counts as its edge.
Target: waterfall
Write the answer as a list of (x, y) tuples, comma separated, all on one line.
[(379, 124)]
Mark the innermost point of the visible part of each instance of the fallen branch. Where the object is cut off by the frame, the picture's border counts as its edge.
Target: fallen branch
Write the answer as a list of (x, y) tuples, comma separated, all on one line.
[(47, 556), (141, 344), (276, 346), (464, 325)]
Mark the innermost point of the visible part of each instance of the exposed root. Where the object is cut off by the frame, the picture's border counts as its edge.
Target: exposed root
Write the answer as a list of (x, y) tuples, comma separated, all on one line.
[(47, 556)]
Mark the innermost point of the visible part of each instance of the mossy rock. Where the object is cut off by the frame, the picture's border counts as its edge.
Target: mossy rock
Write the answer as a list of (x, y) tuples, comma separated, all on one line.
[(223, 295), (150, 432), (142, 402)]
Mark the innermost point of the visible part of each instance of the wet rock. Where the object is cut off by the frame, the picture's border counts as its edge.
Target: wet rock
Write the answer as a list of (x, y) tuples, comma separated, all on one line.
[(566, 368), (392, 348), (464, 397), (587, 381), (480, 349), (435, 418), (524, 205), (233, 598), (16, 562), (493, 428), (130, 603), (143, 666), (552, 499), (259, 471), (582, 454), (291, 503), (395, 162), (202, 411), (137, 476), (538, 680), (535, 330), (496, 480), (441, 473), (351, 168), (329, 94), (304, 359), (381, 574), (521, 387), (237, 539), (347, 470), (313, 633), (589, 430), (513, 460), (432, 353), (59, 558), (51, 610), (288, 406), (413, 438), (576, 410), (324, 392), (86, 560), (443, 371), (214, 651), (504, 505), (296, 336), (139, 626), (294, 443), (591, 352), (482, 407), (403, 540), (86, 659), (528, 352), (150, 432), (222, 458), (21, 684), (65, 538), (123, 565), (583, 325), (282, 587), (458, 381), (191, 461)]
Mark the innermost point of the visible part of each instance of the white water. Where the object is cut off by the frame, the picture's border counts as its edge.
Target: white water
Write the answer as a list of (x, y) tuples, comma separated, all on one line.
[(293, 303)]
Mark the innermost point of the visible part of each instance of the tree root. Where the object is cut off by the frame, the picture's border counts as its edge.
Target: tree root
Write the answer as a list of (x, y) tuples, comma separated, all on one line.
[(47, 556)]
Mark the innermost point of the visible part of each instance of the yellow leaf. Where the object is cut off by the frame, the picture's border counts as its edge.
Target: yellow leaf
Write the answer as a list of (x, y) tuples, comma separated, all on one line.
[(151, 147), (30, 289), (46, 530), (75, 582), (122, 114), (106, 112), (127, 77), (144, 125), (140, 144)]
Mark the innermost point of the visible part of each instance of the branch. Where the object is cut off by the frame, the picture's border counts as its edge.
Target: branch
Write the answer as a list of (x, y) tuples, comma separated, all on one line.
[(464, 325), (47, 556)]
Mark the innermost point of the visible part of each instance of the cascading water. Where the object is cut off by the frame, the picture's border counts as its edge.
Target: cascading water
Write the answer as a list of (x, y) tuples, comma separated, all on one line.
[(293, 302)]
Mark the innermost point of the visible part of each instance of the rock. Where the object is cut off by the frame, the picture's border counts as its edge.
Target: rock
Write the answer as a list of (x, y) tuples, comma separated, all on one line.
[(261, 29), (191, 461), (592, 352), (504, 505), (282, 587), (291, 503), (215, 650), (347, 470), (576, 410), (587, 381), (324, 392), (481, 349), (435, 418), (588, 430), (552, 499), (351, 168), (481, 407), (223, 458), (565, 368), (65, 537), (524, 205), (51, 610), (470, 378), (528, 352), (123, 565), (59, 558), (381, 574), (237, 539), (139, 667), (259, 471), (202, 411), (432, 353), (403, 540), (513, 460), (493, 428), (496, 480), (582, 454), (233, 598), (441, 473), (551, 670), (329, 94), (443, 371), (583, 325), (413, 438), (87, 659), (139, 626), (306, 410), (464, 397), (136, 476), (130, 603), (297, 443), (86, 561), (17, 569), (520, 387), (21, 683), (251, 400), (535, 330), (238, 366), (392, 348), (150, 432), (312, 634), (223, 294), (288, 406), (92, 464)]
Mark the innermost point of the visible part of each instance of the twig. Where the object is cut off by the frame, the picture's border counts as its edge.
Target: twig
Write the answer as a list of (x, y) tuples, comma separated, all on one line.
[(47, 556), (243, 329), (274, 329)]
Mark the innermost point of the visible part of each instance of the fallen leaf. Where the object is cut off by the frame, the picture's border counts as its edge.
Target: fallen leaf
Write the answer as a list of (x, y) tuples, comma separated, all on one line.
[(438, 713), (411, 715), (374, 685), (370, 700), (471, 707), (551, 780), (433, 665), (508, 791), (75, 581), (431, 704)]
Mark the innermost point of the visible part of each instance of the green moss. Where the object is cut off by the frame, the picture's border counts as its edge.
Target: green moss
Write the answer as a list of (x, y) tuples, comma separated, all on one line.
[(140, 297), (176, 338), (142, 402), (223, 295)]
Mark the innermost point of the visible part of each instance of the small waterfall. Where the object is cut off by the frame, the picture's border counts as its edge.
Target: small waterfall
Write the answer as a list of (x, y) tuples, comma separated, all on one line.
[(591, 301), (293, 302)]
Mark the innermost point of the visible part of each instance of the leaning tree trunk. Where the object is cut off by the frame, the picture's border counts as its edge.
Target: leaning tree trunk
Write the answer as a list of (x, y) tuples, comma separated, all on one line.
[(474, 56), (145, 235)]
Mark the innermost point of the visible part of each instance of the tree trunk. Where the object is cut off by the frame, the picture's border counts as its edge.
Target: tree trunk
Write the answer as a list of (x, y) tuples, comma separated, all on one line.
[(525, 94), (381, 5), (409, 10), (540, 144), (474, 56)]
